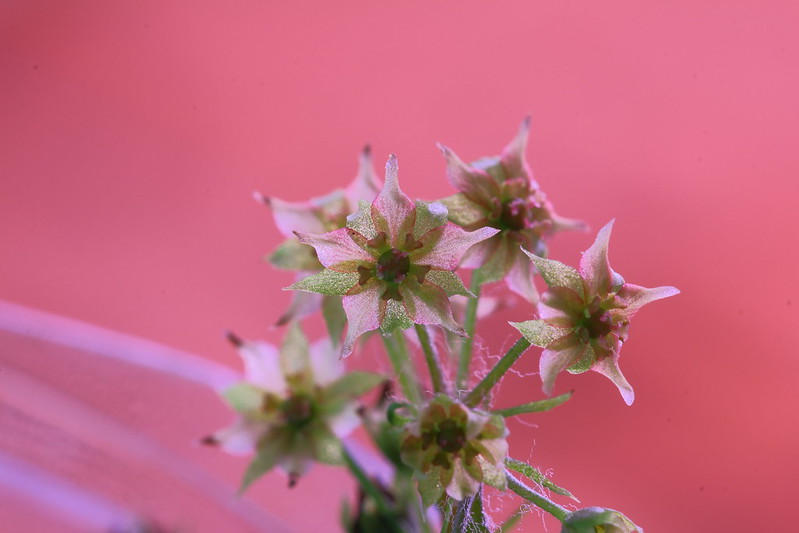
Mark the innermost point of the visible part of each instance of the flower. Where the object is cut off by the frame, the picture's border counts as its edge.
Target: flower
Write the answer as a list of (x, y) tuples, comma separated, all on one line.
[(393, 263), (585, 316), (318, 215), (293, 405), (597, 519), (454, 449), (500, 192)]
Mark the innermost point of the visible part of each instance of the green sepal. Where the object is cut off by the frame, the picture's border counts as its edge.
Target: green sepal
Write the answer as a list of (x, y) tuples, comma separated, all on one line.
[(244, 397), (328, 282), (335, 317), (429, 215), (396, 317), (361, 221), (534, 407), (539, 478), (463, 211), (327, 448), (349, 387), (291, 254), (449, 281), (556, 274), (295, 360), (499, 262), (430, 488), (265, 458), (538, 332)]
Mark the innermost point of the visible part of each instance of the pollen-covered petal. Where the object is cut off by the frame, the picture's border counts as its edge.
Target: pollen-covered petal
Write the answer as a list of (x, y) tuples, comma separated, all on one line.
[(609, 367), (262, 366), (366, 184), (427, 304), (634, 296), (512, 157), (475, 184), (561, 354), (443, 247), (393, 212), (363, 311), (337, 250), (594, 264), (557, 274), (520, 278), (294, 216)]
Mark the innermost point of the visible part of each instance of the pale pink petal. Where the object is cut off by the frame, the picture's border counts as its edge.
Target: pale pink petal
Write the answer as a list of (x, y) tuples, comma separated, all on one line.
[(366, 184), (559, 355), (346, 421), (393, 211), (512, 157), (477, 255), (609, 367), (240, 438), (262, 366), (520, 279), (290, 217), (325, 364), (450, 244), (462, 483), (363, 314), (594, 265), (427, 304), (302, 304), (635, 296), (474, 183), (337, 250)]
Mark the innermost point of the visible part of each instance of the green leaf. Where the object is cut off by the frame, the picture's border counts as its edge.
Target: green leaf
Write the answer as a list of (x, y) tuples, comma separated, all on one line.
[(538, 332), (449, 281), (534, 474), (244, 397), (291, 254), (335, 317), (556, 274), (329, 282), (463, 211), (429, 215), (534, 407), (265, 459)]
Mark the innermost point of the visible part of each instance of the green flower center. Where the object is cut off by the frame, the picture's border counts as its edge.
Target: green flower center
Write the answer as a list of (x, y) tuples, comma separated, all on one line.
[(450, 436), (393, 265), (297, 410), (597, 322)]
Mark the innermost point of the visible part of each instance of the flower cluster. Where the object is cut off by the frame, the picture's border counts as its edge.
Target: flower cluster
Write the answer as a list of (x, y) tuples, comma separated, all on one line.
[(372, 259)]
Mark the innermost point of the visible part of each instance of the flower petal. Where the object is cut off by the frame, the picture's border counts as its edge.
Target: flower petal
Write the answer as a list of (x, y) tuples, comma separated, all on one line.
[(475, 184), (294, 216), (240, 437), (337, 249), (363, 313), (520, 278), (427, 304), (562, 353), (512, 157), (393, 212), (366, 184), (594, 265), (635, 296), (302, 304), (262, 366), (445, 246), (609, 367)]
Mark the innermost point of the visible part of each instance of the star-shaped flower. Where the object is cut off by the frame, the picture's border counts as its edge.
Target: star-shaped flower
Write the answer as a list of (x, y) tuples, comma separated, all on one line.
[(294, 405), (393, 263), (318, 215), (585, 316), (500, 192), (454, 449), (598, 519)]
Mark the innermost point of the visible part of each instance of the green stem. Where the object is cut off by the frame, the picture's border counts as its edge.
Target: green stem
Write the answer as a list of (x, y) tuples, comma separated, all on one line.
[(398, 354), (372, 491), (538, 499), (433, 362), (469, 325), (488, 382)]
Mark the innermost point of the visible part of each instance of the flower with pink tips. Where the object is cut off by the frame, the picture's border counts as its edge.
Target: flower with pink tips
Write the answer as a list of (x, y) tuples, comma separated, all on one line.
[(500, 192), (393, 263), (585, 316)]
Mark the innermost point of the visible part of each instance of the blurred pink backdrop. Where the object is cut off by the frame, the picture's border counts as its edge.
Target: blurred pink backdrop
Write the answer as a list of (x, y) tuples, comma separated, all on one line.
[(132, 136)]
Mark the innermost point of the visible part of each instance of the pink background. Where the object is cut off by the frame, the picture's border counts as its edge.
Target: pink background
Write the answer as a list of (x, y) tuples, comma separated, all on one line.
[(132, 135)]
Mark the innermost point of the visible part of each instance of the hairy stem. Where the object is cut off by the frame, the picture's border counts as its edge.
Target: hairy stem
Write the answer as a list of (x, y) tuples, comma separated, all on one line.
[(488, 382), (537, 498), (433, 362), (470, 321)]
